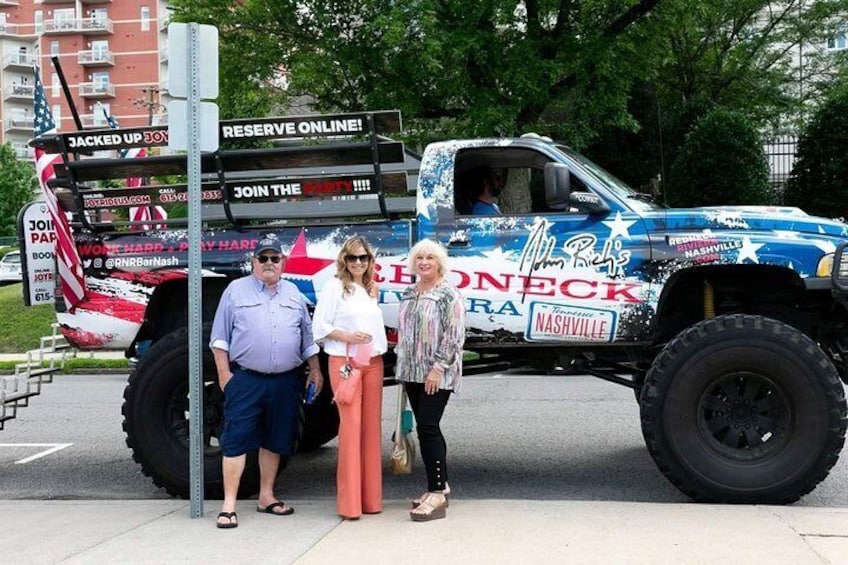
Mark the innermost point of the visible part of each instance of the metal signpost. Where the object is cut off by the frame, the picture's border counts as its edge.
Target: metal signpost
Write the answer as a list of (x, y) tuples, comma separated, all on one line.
[(189, 131)]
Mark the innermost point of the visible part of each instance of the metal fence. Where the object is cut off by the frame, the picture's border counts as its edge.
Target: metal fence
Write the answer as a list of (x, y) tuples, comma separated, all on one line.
[(780, 152)]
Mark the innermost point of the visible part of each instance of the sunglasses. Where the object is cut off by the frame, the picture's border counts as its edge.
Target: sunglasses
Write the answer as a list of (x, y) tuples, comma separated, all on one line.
[(265, 258), (354, 258)]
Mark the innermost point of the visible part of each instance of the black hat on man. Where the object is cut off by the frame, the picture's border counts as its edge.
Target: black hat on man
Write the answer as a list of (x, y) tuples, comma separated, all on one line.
[(268, 244)]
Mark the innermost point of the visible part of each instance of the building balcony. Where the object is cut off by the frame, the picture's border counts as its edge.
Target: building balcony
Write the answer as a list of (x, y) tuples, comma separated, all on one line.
[(21, 92), (59, 27), (96, 26), (94, 121), (97, 90), (163, 55), (12, 30), (86, 26), (23, 151), (16, 60), (19, 123), (96, 59), (4, 3)]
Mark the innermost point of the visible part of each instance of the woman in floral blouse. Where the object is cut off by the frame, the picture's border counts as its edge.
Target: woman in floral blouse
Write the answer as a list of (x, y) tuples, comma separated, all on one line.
[(431, 333)]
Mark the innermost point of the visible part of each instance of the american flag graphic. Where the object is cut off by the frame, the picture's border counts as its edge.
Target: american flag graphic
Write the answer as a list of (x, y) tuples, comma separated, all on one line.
[(137, 213), (68, 260)]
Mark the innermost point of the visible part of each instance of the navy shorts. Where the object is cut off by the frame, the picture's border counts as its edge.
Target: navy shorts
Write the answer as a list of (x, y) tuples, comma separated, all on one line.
[(260, 411)]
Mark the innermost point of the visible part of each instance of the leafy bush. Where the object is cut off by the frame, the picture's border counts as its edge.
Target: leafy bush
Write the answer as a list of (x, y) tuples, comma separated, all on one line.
[(17, 184), (721, 162), (819, 180), (5, 250)]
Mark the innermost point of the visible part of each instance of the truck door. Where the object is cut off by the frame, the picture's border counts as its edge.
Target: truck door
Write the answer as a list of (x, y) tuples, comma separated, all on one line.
[(544, 270)]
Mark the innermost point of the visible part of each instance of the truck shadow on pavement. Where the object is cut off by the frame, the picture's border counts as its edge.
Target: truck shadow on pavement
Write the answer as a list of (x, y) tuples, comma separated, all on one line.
[(622, 474)]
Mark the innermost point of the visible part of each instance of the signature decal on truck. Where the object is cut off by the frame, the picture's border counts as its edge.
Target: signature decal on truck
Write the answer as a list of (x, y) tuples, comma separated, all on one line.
[(558, 322), (538, 252)]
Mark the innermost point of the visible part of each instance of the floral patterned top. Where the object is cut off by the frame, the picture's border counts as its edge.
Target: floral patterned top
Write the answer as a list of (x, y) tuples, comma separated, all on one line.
[(431, 333)]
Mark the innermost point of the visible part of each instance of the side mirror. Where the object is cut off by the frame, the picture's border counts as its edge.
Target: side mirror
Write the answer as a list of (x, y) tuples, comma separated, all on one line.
[(557, 185), (558, 193)]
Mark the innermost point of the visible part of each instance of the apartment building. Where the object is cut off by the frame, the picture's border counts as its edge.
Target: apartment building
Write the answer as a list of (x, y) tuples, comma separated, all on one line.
[(810, 62), (112, 53)]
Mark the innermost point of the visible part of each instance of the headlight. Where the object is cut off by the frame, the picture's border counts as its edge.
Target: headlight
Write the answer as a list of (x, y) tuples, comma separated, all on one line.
[(825, 266)]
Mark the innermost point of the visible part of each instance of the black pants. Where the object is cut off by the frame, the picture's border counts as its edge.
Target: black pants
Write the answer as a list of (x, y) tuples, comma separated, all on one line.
[(428, 410)]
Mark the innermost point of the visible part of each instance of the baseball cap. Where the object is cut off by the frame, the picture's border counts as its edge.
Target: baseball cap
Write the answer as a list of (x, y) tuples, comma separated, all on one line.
[(268, 244)]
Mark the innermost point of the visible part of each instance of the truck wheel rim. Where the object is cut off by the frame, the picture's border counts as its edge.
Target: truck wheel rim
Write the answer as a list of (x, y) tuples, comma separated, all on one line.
[(745, 416), (212, 416)]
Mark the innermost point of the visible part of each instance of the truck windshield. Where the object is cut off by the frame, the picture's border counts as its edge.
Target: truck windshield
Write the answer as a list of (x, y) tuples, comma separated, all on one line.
[(638, 200)]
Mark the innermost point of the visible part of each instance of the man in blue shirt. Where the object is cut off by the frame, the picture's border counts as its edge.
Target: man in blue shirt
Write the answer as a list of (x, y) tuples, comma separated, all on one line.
[(261, 334), (487, 191)]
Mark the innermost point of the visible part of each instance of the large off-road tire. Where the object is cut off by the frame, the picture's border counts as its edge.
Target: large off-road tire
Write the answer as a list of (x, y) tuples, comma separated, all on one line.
[(156, 419), (743, 409)]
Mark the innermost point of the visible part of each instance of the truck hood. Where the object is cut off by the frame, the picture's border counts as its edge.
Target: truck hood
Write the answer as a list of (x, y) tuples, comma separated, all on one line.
[(743, 218)]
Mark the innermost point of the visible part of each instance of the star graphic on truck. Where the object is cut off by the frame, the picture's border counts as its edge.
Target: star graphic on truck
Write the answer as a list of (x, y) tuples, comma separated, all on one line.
[(301, 268), (619, 227), (748, 251)]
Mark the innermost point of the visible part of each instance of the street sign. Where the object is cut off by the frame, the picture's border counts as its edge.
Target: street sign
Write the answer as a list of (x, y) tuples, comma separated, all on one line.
[(178, 126), (178, 61), (193, 127)]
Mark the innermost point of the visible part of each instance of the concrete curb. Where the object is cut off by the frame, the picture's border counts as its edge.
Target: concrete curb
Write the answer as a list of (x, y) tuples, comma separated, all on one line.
[(475, 531)]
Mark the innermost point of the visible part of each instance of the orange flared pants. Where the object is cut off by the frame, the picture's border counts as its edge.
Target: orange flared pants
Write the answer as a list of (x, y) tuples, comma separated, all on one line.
[(359, 477)]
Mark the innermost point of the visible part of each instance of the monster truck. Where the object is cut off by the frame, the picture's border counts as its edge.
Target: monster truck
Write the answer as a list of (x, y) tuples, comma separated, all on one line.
[(728, 323)]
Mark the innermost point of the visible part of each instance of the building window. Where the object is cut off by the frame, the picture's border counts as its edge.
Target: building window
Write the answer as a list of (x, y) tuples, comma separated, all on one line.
[(99, 18), (38, 18), (838, 42), (145, 18), (54, 48), (100, 50), (55, 85), (64, 18), (57, 115), (100, 81)]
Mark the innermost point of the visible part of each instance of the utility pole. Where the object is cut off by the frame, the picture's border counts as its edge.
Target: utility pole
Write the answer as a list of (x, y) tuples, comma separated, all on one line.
[(151, 92)]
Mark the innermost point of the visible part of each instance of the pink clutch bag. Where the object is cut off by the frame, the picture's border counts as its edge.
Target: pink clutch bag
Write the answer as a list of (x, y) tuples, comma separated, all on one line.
[(362, 357)]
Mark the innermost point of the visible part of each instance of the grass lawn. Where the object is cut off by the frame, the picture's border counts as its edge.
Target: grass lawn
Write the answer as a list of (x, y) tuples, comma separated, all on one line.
[(80, 365), (20, 327)]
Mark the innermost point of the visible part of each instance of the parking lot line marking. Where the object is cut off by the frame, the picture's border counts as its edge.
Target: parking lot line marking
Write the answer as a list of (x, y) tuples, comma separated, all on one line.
[(53, 448)]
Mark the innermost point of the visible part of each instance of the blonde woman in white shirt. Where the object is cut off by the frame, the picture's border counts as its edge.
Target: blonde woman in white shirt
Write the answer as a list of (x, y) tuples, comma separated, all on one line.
[(346, 317)]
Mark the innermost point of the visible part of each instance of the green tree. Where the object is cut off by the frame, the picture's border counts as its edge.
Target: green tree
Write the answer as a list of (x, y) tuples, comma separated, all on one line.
[(738, 54), (721, 162), (819, 180), (454, 67), (17, 186), (624, 80)]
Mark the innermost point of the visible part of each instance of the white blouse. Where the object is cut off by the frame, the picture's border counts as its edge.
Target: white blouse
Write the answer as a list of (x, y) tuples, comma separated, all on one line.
[(349, 313)]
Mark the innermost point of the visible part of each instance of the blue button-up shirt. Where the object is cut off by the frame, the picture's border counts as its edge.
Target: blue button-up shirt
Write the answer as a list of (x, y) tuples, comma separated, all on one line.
[(269, 334)]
